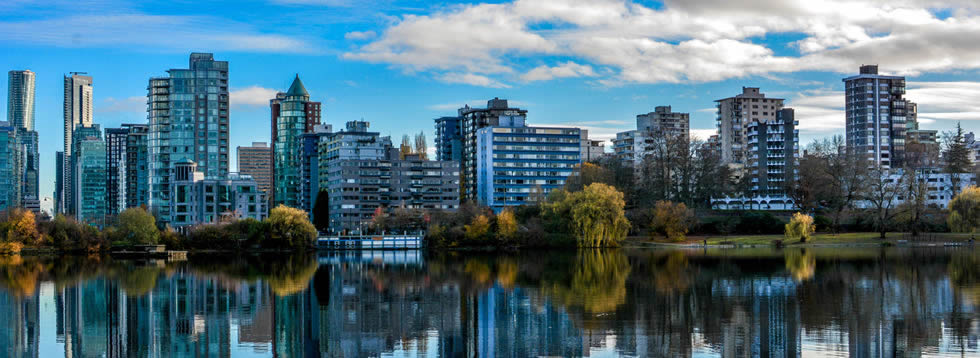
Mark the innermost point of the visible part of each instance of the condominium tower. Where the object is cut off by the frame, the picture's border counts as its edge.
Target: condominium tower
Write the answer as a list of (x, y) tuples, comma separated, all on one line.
[(471, 120), (188, 118), (876, 116), (734, 116), (256, 162), (20, 115), (20, 99), (78, 107), (292, 115)]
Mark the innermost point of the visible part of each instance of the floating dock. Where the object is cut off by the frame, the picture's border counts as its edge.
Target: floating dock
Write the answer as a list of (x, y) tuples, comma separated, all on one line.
[(370, 242)]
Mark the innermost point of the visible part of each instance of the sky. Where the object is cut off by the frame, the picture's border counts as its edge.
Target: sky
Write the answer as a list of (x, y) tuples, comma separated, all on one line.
[(594, 64)]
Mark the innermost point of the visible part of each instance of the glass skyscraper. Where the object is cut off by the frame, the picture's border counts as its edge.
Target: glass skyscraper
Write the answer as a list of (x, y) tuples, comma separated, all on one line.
[(188, 119), (20, 114), (89, 159), (77, 113), (293, 114)]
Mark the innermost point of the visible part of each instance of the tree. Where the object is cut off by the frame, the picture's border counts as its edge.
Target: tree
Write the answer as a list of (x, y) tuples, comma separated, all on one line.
[(421, 146), (800, 227), (588, 173), (321, 211), (594, 215), (845, 176), (808, 188), (506, 224), (964, 211), (478, 228), (21, 227), (956, 154), (290, 227), (672, 220), (914, 192), (137, 227), (881, 192)]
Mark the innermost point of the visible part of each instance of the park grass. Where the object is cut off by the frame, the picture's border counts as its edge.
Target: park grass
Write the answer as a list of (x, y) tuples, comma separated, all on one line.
[(853, 238)]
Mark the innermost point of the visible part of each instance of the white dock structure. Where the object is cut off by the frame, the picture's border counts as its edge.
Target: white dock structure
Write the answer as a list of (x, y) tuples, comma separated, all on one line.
[(370, 242)]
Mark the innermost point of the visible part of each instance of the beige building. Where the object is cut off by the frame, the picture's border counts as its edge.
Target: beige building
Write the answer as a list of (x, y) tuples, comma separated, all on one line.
[(256, 162), (734, 116)]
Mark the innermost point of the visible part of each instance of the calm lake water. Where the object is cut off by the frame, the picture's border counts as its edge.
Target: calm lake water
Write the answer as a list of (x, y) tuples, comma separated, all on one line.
[(714, 303)]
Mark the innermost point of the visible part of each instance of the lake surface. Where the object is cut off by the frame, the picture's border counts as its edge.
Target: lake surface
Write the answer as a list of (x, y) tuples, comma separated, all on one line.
[(627, 302)]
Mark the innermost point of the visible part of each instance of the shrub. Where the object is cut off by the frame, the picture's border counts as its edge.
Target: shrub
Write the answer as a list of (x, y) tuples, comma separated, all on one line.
[(672, 220), (21, 227), (800, 227)]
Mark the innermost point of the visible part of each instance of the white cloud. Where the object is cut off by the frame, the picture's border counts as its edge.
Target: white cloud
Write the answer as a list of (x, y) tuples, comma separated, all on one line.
[(951, 101), (703, 133), (252, 96), (820, 112), (476, 103), (567, 69), (682, 41), (159, 32), (130, 104), (472, 79), (360, 35)]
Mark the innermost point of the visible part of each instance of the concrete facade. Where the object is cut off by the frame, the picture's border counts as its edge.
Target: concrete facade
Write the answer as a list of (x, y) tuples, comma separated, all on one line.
[(877, 115)]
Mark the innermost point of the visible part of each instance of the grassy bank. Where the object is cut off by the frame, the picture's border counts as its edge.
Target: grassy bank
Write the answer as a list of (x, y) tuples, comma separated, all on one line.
[(817, 239)]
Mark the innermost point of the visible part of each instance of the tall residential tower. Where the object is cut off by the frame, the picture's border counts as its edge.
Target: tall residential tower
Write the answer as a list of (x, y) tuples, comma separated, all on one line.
[(876, 116), (188, 118), (78, 109)]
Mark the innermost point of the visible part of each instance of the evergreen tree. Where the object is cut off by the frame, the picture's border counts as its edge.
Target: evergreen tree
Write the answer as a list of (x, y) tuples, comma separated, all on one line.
[(956, 154), (321, 211)]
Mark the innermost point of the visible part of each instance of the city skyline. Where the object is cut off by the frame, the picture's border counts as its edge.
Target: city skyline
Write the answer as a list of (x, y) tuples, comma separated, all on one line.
[(352, 66)]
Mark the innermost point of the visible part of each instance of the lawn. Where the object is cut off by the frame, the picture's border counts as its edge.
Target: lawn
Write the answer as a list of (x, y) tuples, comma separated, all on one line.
[(819, 238)]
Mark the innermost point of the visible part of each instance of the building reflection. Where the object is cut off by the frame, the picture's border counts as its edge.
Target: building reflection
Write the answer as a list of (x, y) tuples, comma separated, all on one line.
[(656, 304)]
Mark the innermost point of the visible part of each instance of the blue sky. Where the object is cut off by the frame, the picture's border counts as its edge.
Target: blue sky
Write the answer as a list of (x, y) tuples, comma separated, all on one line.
[(594, 64)]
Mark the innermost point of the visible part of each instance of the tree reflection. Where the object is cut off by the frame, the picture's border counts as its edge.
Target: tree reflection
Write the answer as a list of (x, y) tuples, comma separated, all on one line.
[(597, 281), (138, 281), (19, 275), (964, 272), (801, 264)]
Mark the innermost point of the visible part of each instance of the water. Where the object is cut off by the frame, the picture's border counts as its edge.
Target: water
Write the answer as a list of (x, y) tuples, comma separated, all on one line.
[(715, 303)]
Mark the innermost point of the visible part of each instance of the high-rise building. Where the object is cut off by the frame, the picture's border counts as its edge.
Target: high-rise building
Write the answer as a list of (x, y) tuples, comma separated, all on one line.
[(137, 168), (774, 150), (293, 115), (10, 180), (256, 162), (188, 118), (591, 149), (355, 142), (632, 146), (78, 107), (20, 115), (449, 140), (734, 116), (59, 182), (115, 152), (876, 114), (89, 159), (663, 120), (309, 166), (472, 119), (28, 165), (364, 186), (517, 164), (20, 99)]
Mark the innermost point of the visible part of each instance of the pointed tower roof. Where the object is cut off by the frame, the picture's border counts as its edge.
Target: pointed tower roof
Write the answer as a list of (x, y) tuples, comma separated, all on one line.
[(297, 88)]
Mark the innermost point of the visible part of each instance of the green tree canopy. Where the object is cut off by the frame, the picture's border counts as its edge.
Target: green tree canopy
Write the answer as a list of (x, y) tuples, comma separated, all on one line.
[(289, 227), (964, 210), (594, 215), (138, 227)]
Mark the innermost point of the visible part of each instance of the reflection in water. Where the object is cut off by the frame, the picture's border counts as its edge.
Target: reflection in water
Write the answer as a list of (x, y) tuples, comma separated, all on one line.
[(734, 303)]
